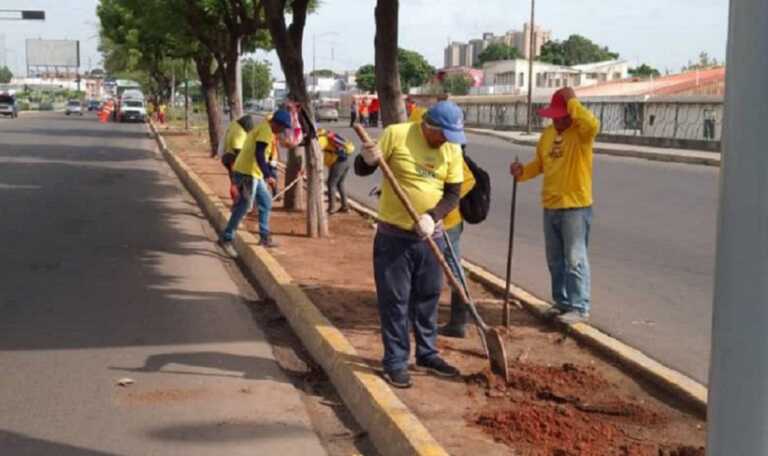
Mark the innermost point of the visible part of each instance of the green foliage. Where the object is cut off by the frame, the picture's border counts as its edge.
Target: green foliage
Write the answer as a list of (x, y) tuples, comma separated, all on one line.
[(457, 84), (257, 79), (414, 69), (705, 62), (495, 52), (575, 50), (5, 75), (322, 73), (644, 71), (366, 78)]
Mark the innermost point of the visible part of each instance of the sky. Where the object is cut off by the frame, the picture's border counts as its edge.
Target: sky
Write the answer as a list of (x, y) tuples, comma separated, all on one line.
[(663, 33)]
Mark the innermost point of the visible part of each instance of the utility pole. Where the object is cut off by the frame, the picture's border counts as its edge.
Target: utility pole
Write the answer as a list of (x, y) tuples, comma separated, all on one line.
[(186, 97), (531, 55), (738, 373)]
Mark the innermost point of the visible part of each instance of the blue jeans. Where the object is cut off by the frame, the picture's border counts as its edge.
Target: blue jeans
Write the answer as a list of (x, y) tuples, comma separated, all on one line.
[(408, 285), (250, 191), (566, 233)]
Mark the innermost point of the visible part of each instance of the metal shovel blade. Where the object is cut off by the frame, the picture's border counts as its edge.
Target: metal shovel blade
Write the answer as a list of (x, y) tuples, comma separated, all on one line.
[(497, 354)]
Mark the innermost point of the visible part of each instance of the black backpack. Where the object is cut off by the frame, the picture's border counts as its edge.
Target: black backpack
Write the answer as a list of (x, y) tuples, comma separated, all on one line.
[(474, 205)]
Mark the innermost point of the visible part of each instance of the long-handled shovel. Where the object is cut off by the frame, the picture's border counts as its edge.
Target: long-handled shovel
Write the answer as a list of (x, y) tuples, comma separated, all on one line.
[(509, 252), (495, 345)]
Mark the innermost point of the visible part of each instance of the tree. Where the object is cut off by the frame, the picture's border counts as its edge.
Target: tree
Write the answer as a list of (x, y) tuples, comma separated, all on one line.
[(704, 63), (644, 71), (5, 75), (288, 40), (457, 84), (257, 79), (414, 69), (575, 50), (391, 63), (366, 78), (496, 52), (324, 73)]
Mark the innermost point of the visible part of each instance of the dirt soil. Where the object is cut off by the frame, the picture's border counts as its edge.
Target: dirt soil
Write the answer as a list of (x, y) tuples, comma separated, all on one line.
[(562, 399)]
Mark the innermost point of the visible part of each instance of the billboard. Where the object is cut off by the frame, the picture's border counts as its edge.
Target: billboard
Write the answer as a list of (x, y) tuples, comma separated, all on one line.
[(53, 53)]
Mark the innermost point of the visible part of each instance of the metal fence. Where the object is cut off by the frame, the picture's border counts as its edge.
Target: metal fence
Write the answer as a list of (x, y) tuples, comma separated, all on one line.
[(693, 120)]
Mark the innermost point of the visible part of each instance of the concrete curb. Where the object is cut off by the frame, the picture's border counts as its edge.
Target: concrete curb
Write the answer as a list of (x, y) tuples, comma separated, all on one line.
[(684, 388), (616, 152), (392, 427)]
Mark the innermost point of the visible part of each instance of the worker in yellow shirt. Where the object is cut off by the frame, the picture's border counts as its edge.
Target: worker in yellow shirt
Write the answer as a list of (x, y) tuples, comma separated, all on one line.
[(336, 153), (234, 139), (425, 158), (564, 156), (252, 174)]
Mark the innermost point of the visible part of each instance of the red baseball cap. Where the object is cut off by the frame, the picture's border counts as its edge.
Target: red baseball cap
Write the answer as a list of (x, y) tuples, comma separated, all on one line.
[(557, 107)]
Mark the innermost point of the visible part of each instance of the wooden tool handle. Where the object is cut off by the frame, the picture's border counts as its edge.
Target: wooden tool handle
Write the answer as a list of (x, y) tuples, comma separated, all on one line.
[(385, 169)]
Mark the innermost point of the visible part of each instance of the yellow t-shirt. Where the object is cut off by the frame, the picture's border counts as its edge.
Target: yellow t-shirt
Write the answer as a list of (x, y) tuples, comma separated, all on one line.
[(417, 114), (567, 169), (421, 171), (246, 162), (234, 138), (454, 217), (329, 149)]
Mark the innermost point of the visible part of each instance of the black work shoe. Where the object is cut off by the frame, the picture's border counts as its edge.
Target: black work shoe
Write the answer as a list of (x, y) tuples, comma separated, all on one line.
[(399, 378), (268, 242), (573, 317), (437, 366), (344, 210), (553, 312), (454, 331), (227, 247)]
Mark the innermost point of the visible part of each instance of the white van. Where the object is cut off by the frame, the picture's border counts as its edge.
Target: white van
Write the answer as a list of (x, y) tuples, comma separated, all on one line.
[(132, 107)]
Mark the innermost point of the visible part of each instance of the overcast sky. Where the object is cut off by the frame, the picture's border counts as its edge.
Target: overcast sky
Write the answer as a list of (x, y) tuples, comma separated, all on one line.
[(664, 33)]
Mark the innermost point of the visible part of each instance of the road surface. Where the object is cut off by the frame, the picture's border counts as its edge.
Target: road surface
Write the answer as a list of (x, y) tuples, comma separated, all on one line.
[(108, 271), (651, 252)]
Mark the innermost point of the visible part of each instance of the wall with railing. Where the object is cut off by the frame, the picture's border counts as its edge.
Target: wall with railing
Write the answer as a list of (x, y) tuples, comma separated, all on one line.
[(683, 122)]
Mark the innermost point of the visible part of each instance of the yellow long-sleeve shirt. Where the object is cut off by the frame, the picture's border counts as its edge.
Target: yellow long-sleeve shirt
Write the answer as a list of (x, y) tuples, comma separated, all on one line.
[(568, 169)]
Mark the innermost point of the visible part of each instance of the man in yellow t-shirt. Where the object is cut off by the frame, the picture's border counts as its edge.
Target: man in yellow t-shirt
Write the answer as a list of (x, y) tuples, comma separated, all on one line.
[(251, 174), (234, 138), (425, 158), (564, 156), (336, 153)]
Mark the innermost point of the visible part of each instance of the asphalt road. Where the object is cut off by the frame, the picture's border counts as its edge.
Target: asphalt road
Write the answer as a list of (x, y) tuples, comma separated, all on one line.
[(108, 271), (651, 252)]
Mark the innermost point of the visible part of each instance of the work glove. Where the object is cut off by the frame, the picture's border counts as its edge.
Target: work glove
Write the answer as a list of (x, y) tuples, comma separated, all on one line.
[(426, 225), (234, 193), (371, 154)]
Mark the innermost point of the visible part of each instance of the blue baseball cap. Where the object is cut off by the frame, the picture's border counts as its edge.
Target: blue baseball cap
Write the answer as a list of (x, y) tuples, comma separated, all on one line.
[(282, 117), (447, 116)]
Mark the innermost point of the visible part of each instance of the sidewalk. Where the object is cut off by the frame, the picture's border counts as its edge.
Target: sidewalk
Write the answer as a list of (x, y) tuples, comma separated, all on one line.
[(620, 150)]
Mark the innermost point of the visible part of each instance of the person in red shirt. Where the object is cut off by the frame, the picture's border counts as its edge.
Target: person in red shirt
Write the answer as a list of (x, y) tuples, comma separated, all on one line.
[(374, 109)]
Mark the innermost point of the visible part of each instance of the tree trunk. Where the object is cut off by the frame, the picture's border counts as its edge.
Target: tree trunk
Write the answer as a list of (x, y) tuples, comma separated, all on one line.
[(208, 80), (387, 69), (231, 67), (294, 198), (288, 43)]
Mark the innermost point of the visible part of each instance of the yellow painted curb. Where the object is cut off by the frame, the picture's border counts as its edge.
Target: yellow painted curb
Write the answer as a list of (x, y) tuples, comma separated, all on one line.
[(392, 427), (676, 383)]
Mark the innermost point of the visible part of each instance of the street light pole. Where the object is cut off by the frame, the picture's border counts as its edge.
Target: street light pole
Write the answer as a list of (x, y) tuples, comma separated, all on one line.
[(738, 373), (531, 55)]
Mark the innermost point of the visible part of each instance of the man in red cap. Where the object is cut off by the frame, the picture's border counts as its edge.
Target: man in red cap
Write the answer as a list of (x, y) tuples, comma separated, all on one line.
[(564, 156)]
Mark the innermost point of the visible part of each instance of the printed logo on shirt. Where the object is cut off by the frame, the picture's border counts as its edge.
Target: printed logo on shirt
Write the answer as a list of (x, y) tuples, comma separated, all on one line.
[(557, 148)]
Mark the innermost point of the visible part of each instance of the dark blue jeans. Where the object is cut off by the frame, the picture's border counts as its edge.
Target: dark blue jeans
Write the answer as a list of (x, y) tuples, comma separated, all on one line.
[(408, 284), (250, 191)]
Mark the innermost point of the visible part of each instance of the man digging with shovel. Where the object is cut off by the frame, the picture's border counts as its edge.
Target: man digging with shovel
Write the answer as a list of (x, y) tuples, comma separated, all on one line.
[(425, 159), (564, 156)]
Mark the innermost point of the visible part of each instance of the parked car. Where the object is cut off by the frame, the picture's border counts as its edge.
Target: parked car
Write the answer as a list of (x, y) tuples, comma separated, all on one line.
[(74, 107), (94, 105), (328, 113), (132, 110), (8, 106)]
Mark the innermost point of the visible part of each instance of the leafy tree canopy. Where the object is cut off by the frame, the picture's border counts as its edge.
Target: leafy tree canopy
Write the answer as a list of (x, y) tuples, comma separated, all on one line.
[(576, 50)]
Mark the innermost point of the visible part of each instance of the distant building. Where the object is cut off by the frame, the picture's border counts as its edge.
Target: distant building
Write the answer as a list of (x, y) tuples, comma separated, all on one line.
[(467, 54), (511, 76)]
